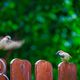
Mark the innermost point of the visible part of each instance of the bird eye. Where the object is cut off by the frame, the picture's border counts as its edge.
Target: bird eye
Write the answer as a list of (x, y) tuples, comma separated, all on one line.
[(8, 37)]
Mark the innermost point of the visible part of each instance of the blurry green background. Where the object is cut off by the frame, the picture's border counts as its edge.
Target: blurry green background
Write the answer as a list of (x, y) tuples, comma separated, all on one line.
[(46, 25)]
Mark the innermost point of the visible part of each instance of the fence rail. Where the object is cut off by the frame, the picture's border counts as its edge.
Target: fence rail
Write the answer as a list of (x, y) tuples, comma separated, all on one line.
[(21, 70)]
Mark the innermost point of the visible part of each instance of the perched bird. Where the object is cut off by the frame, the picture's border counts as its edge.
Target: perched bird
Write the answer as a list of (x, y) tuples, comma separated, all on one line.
[(7, 44), (64, 56)]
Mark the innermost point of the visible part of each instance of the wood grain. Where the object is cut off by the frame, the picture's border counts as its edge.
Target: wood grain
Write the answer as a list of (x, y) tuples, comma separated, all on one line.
[(20, 70), (67, 71), (43, 70)]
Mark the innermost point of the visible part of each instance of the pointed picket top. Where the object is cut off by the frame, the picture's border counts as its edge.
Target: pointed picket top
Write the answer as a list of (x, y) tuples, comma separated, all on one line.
[(67, 71), (43, 70), (20, 69)]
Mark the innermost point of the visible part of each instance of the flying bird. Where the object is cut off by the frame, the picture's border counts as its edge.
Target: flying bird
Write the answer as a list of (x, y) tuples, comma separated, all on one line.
[(7, 44), (64, 55)]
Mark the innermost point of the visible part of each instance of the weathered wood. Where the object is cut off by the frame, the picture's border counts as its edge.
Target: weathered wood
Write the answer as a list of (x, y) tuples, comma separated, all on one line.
[(20, 70), (67, 71), (43, 70), (2, 77)]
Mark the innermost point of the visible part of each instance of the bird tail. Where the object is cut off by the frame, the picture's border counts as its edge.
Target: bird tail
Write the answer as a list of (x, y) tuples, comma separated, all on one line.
[(22, 42)]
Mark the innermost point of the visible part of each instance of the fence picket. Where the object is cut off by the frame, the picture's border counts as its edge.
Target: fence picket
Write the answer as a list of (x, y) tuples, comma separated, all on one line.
[(43, 70), (3, 70), (67, 71), (20, 70)]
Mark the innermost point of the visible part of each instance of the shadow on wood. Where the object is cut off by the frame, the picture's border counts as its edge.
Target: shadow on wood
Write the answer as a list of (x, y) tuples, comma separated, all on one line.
[(20, 70), (67, 71), (43, 70)]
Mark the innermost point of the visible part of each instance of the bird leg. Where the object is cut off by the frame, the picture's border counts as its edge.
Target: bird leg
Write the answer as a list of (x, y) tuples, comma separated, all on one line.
[(7, 55)]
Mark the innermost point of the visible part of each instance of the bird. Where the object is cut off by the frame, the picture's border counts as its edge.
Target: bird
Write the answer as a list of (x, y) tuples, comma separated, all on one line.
[(6, 43), (64, 55)]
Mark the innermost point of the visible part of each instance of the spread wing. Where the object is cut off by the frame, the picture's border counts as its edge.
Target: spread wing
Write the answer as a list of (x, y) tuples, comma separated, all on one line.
[(13, 44)]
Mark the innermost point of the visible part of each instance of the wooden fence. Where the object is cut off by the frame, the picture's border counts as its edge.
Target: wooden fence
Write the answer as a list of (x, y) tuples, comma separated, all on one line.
[(21, 70)]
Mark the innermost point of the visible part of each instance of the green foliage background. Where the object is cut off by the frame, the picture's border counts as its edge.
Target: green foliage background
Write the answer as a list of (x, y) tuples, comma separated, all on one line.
[(46, 25)]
